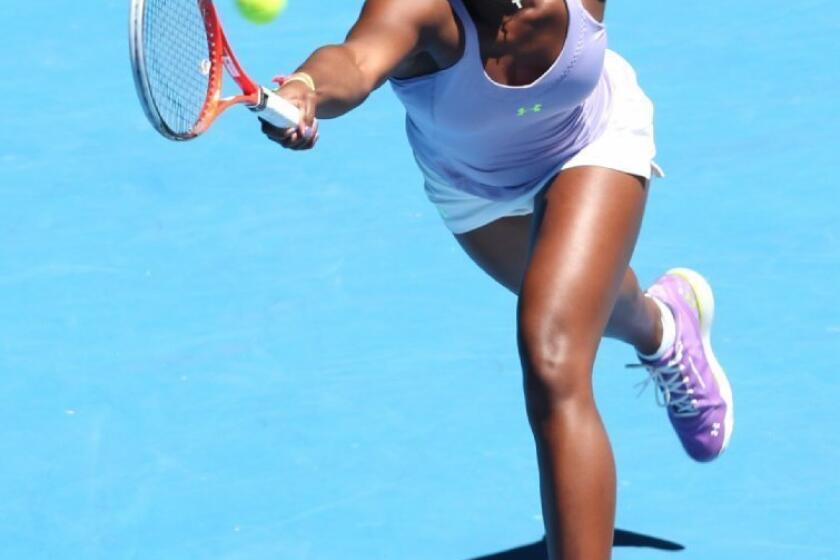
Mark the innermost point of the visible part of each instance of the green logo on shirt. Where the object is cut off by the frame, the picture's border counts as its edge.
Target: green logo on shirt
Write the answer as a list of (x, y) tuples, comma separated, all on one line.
[(522, 111)]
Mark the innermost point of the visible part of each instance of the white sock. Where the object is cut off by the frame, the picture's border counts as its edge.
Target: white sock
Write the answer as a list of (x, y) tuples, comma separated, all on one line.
[(669, 331)]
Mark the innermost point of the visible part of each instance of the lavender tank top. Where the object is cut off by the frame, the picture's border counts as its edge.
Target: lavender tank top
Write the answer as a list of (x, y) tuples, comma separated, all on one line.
[(497, 141)]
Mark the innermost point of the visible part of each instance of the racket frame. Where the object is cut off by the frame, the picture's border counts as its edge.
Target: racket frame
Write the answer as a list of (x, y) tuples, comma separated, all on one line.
[(271, 106)]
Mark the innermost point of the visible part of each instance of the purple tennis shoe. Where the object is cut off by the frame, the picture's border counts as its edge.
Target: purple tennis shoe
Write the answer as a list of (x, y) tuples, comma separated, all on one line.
[(691, 383)]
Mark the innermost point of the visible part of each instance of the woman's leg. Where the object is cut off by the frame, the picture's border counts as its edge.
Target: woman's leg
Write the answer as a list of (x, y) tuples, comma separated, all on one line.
[(584, 231), (501, 250)]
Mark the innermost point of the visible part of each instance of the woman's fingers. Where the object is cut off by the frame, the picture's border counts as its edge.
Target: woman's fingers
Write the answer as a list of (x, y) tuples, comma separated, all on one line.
[(287, 137), (292, 138), (278, 135)]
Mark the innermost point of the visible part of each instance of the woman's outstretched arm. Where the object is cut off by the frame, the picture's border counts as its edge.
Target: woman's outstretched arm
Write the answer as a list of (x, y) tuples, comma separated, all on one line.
[(387, 34)]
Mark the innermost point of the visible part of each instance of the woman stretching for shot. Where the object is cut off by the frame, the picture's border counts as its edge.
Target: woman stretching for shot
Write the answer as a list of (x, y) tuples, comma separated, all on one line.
[(536, 145)]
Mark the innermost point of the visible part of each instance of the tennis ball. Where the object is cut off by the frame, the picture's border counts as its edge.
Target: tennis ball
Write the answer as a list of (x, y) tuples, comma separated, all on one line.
[(260, 11)]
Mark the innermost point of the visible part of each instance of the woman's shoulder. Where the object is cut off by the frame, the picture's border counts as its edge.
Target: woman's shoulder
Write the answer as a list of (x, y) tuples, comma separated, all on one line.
[(438, 28)]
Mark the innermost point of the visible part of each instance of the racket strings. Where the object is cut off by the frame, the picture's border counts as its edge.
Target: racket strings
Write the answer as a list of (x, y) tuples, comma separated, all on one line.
[(178, 61)]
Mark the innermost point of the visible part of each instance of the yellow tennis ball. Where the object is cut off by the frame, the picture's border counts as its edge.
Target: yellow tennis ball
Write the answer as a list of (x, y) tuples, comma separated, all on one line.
[(260, 11)]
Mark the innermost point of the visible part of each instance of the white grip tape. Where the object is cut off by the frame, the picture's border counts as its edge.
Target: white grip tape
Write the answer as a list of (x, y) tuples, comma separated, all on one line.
[(277, 111)]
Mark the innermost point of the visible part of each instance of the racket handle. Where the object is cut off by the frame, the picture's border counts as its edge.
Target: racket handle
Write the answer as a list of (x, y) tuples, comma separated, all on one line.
[(276, 110)]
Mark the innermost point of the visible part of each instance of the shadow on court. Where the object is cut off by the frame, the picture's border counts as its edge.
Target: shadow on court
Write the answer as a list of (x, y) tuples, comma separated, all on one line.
[(537, 551)]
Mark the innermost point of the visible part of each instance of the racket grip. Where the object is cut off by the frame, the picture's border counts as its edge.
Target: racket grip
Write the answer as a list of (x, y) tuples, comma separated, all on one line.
[(276, 110)]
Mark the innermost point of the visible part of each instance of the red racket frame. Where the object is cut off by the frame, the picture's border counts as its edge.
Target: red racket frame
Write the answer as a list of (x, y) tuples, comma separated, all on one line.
[(222, 57)]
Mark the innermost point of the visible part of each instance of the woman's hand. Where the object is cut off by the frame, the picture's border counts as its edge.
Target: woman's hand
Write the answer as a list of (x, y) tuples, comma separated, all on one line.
[(305, 134)]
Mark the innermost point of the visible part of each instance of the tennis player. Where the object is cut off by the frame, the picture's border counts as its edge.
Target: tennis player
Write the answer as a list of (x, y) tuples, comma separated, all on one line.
[(536, 144)]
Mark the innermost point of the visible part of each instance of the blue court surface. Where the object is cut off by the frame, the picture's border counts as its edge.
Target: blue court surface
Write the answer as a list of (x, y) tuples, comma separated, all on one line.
[(220, 350)]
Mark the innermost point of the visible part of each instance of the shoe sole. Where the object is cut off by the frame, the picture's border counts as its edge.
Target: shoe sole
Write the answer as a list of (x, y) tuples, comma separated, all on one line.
[(706, 310)]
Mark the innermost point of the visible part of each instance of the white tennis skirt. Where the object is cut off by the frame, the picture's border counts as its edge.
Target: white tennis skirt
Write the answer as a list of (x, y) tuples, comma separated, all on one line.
[(627, 145)]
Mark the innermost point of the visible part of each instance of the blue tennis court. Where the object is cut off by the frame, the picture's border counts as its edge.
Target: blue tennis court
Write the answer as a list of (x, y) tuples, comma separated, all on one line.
[(221, 350)]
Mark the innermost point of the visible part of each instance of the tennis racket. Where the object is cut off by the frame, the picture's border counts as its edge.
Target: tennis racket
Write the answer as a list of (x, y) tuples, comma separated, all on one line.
[(179, 54)]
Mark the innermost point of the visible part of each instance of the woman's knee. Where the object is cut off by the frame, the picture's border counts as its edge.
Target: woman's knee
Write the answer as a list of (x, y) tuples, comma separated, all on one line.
[(557, 358)]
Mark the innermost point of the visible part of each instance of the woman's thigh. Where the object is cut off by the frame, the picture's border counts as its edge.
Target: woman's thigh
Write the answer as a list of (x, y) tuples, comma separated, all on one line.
[(500, 248), (585, 229)]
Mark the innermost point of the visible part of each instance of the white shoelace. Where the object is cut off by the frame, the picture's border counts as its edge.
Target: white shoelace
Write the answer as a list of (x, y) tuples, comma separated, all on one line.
[(672, 383)]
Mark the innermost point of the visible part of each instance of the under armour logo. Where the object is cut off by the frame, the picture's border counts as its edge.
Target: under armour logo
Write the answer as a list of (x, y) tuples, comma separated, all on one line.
[(522, 111)]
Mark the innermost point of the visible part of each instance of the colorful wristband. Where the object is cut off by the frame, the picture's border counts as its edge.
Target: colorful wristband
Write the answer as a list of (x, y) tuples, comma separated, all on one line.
[(301, 77)]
